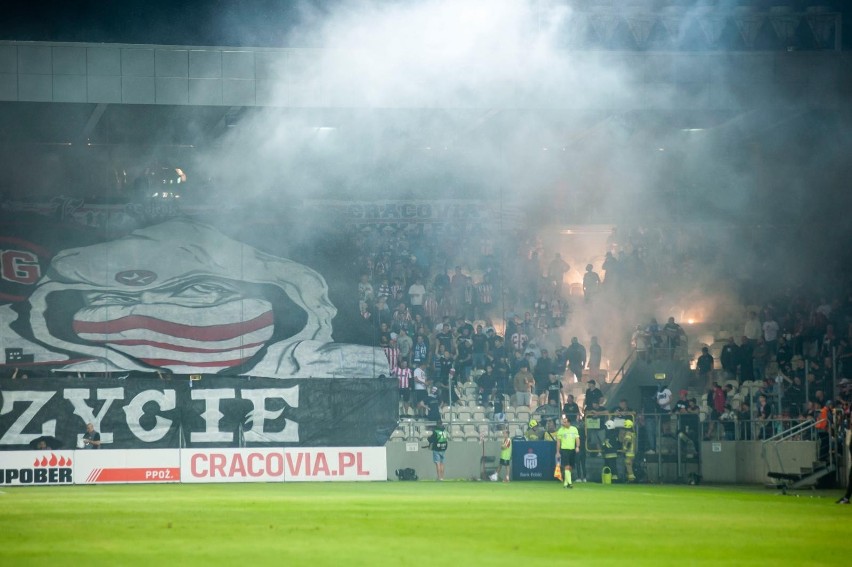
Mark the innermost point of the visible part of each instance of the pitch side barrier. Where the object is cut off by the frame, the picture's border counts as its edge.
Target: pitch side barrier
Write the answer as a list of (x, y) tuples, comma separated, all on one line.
[(140, 466)]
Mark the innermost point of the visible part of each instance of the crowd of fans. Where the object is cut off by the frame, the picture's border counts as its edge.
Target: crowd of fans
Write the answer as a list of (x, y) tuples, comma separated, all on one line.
[(790, 365), (438, 307)]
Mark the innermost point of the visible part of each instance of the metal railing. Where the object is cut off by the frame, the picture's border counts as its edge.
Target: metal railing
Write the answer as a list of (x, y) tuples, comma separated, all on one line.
[(621, 371), (814, 431)]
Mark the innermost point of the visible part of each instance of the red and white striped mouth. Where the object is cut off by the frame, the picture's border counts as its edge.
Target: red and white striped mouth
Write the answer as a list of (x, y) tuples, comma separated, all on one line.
[(180, 338)]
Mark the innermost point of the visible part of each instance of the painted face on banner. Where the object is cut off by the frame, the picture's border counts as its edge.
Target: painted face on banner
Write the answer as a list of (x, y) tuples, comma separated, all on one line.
[(227, 328)]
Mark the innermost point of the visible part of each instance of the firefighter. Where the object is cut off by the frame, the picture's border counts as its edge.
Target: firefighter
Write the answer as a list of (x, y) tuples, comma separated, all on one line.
[(628, 445), (611, 445)]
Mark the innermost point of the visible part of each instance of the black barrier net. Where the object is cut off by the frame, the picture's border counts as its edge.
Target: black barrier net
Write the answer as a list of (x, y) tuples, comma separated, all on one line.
[(211, 412)]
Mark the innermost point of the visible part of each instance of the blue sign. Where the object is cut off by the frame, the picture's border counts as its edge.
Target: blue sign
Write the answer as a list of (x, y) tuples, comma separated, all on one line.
[(533, 460)]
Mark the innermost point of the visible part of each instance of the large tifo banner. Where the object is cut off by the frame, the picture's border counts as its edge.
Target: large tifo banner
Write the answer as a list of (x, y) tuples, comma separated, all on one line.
[(215, 411), (44, 468), (173, 297)]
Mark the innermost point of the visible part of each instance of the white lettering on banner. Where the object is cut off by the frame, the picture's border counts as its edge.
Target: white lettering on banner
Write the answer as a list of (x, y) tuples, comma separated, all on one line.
[(134, 412), (127, 466), (258, 416), (95, 406), (212, 416), (78, 397), (15, 434)]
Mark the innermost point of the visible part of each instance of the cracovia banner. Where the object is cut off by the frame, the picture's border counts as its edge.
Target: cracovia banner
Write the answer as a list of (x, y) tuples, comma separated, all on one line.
[(213, 411)]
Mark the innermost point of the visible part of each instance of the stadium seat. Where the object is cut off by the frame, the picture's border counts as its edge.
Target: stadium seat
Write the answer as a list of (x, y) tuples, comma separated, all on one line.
[(463, 416), (479, 416), (485, 431)]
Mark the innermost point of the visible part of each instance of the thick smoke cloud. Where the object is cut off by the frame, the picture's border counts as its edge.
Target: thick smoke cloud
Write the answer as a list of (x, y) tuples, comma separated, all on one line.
[(483, 99)]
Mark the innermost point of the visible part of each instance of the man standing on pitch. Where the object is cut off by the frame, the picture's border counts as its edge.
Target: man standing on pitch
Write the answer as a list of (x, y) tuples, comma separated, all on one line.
[(438, 443), (567, 447)]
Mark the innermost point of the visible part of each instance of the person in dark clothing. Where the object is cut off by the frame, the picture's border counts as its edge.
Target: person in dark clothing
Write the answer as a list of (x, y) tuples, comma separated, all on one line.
[(593, 395), (594, 357), (745, 358), (576, 358), (704, 365), (542, 372), (571, 409), (730, 358)]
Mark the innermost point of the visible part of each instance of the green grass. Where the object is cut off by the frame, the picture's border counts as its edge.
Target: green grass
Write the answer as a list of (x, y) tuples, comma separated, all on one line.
[(421, 523)]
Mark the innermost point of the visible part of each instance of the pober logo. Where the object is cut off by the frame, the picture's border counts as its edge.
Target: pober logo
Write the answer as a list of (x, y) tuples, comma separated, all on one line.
[(45, 470), (135, 278), (530, 460)]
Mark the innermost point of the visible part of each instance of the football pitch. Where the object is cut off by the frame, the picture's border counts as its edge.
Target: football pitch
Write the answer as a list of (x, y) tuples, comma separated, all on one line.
[(420, 523)]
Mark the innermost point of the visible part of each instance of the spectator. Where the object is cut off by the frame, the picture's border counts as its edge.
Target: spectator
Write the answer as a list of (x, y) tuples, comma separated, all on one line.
[(479, 343), (622, 409), (593, 395), (543, 374), (760, 359), (682, 404), (416, 297), (91, 438), (365, 289), (673, 334), (591, 283), (764, 416), (404, 375), (770, 334), (405, 345), (576, 358), (745, 359), (524, 383), (571, 409), (753, 329), (553, 391), (704, 365), (744, 420), (730, 358), (640, 342), (594, 358), (556, 271), (419, 384)]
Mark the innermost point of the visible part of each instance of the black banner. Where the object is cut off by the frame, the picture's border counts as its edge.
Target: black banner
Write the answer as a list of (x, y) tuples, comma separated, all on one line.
[(212, 412)]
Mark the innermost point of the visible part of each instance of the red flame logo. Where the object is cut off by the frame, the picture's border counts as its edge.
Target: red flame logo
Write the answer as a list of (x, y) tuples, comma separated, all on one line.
[(53, 461)]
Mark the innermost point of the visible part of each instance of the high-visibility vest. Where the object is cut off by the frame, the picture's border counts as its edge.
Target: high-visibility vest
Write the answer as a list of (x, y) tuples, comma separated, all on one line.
[(822, 422)]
